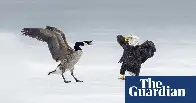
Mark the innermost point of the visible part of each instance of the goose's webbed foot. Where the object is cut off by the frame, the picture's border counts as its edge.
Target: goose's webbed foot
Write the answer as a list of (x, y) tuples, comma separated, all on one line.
[(75, 77), (64, 79)]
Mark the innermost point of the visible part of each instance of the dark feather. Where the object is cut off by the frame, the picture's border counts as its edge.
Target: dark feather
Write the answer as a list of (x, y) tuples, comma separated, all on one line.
[(38, 33), (134, 56), (58, 46)]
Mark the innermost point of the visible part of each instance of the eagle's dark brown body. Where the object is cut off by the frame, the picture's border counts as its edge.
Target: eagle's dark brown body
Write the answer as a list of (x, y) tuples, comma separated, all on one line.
[(134, 56)]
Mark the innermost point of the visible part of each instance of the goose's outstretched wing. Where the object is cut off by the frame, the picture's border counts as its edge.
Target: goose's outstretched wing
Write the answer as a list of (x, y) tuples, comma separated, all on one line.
[(38, 33), (55, 43), (61, 33)]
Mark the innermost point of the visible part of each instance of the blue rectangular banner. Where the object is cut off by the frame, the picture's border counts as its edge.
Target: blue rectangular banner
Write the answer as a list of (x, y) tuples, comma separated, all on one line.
[(160, 89)]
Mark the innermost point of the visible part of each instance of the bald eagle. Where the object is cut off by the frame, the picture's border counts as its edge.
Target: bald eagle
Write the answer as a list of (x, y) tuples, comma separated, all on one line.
[(58, 47), (134, 56)]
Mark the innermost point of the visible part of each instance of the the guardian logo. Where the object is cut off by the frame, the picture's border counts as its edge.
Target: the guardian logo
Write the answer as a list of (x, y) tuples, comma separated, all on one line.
[(155, 88)]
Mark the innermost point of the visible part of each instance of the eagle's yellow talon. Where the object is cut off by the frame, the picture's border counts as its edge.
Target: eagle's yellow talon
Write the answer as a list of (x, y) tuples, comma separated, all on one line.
[(122, 77)]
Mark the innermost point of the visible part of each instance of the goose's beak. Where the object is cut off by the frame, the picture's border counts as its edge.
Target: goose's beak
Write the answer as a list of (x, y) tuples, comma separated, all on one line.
[(91, 43), (88, 42)]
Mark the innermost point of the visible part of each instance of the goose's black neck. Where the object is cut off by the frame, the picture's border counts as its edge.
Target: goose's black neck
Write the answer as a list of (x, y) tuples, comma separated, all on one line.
[(77, 46)]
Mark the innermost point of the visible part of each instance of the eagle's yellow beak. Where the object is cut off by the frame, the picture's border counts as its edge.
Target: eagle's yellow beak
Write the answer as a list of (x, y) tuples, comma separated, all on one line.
[(127, 38)]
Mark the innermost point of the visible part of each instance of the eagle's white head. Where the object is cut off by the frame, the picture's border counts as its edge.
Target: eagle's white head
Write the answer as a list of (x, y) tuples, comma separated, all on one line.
[(133, 39)]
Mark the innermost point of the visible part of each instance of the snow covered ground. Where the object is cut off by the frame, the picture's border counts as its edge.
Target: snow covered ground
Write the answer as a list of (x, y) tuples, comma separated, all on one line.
[(25, 62), (24, 69)]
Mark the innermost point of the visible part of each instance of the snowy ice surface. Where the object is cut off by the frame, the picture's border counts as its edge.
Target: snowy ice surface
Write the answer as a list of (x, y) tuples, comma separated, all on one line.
[(24, 69)]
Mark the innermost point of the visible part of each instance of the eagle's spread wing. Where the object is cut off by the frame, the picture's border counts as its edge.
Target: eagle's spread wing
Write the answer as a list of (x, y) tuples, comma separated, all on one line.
[(122, 42), (56, 44), (147, 50), (142, 52)]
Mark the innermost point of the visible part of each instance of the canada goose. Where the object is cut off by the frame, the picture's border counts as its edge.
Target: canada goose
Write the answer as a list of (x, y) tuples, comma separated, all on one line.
[(58, 47)]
